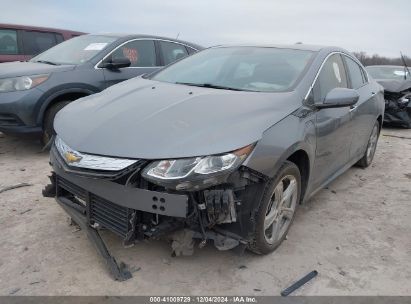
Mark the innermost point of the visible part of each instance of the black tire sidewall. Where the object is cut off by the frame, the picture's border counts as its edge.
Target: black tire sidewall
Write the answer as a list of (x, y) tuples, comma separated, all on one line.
[(259, 244), (48, 122)]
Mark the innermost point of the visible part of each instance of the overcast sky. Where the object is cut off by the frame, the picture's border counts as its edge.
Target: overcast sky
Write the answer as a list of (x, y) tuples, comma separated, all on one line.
[(374, 26)]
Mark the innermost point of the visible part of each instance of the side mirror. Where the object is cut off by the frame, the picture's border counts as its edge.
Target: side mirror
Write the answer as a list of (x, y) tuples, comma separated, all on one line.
[(114, 64), (339, 98)]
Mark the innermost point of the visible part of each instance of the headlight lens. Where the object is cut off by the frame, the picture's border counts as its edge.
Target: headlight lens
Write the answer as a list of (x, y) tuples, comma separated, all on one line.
[(21, 83), (172, 172)]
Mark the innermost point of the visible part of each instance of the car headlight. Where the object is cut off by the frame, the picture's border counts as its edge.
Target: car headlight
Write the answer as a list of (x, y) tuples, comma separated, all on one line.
[(21, 83), (196, 172)]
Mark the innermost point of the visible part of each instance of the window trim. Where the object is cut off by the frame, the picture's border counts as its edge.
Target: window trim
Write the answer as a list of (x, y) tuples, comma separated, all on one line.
[(96, 66), (321, 67)]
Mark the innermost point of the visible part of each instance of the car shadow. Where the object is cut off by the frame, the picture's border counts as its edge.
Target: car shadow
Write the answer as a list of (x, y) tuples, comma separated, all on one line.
[(19, 146)]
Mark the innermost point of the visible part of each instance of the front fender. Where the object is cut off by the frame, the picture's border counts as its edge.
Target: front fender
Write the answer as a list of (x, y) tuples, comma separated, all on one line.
[(58, 91), (280, 141)]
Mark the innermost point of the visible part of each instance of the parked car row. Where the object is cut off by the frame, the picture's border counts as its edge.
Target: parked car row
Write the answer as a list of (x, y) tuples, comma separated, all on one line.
[(33, 92), (222, 145)]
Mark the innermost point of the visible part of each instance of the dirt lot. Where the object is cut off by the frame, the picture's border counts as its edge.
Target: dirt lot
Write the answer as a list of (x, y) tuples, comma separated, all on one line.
[(356, 233)]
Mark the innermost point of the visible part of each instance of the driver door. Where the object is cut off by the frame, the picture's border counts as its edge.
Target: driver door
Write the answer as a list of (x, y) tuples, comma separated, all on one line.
[(333, 125), (142, 55)]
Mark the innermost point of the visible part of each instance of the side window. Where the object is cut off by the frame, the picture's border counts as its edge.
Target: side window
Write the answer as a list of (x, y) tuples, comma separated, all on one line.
[(332, 76), (8, 42), (141, 53), (356, 75), (59, 38), (37, 42), (172, 51)]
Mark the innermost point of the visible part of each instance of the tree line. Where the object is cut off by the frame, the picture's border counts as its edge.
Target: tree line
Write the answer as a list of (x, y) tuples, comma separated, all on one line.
[(380, 60)]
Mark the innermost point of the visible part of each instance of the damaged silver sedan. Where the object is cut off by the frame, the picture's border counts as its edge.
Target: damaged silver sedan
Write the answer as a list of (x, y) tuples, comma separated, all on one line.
[(221, 146)]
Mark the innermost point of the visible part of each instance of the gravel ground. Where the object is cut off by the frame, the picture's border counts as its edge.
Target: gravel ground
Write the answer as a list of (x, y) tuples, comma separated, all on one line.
[(356, 233)]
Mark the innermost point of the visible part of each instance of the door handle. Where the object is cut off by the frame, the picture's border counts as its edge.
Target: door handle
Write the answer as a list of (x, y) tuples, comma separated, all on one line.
[(373, 93)]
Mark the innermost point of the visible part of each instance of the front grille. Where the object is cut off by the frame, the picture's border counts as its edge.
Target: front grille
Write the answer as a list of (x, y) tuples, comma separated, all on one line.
[(72, 188), (111, 175), (10, 120), (109, 215)]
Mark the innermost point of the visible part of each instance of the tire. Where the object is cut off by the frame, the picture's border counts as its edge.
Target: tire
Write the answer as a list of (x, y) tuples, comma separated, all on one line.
[(369, 153), (264, 240), (48, 128)]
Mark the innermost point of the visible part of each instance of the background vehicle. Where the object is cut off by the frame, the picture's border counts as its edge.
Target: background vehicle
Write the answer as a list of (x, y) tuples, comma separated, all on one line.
[(222, 145), (31, 93), (396, 81), (21, 42)]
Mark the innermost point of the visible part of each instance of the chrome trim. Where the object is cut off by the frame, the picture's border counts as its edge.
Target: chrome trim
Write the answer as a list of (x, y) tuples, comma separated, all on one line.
[(89, 161), (322, 64), (135, 39)]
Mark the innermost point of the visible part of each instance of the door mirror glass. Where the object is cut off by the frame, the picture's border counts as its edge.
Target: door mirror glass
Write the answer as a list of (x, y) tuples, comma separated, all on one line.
[(338, 98)]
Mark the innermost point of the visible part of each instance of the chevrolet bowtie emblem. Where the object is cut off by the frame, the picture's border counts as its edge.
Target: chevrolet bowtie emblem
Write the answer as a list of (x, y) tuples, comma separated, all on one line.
[(71, 157)]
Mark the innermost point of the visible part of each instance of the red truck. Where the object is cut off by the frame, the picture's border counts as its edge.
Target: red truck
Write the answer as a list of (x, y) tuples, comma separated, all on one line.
[(20, 42)]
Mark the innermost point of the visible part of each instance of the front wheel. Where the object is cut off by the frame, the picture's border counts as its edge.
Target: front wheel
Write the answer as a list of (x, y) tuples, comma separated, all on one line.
[(48, 122), (276, 209), (368, 156)]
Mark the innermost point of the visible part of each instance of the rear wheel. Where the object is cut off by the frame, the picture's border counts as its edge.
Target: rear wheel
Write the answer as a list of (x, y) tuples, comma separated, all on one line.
[(368, 156), (48, 128), (276, 209)]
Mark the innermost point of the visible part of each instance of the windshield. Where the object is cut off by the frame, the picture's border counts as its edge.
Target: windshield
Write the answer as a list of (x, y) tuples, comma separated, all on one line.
[(388, 72), (260, 69), (76, 50)]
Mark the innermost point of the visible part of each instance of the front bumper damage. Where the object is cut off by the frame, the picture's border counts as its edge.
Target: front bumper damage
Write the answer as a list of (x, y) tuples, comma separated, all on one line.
[(146, 211)]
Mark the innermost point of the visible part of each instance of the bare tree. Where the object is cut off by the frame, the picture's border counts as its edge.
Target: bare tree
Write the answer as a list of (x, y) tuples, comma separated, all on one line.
[(380, 60)]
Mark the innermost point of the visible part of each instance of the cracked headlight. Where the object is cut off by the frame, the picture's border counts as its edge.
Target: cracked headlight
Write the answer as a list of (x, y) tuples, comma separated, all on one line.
[(197, 172), (21, 83)]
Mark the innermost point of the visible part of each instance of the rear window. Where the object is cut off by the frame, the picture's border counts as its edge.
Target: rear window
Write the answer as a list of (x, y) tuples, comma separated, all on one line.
[(37, 42), (8, 42)]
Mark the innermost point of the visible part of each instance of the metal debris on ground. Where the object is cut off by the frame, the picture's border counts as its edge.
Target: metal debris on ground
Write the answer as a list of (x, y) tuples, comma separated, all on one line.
[(7, 188), (299, 283)]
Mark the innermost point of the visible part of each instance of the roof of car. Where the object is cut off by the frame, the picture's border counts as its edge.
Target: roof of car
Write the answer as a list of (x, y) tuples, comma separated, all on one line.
[(385, 66), (29, 27), (297, 46), (136, 36)]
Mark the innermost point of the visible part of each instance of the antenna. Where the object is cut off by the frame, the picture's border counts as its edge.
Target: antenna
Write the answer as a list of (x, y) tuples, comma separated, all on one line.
[(406, 70), (178, 35)]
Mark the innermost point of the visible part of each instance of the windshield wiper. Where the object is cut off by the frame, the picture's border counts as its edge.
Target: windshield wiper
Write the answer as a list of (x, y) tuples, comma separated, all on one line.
[(47, 62), (210, 85)]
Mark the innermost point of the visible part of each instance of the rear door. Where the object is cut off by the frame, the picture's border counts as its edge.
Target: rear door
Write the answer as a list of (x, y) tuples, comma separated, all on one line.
[(333, 126), (362, 116), (10, 47), (143, 56)]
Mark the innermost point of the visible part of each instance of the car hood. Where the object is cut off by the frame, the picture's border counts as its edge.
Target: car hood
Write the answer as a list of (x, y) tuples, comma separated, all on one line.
[(15, 69), (395, 86), (140, 118)]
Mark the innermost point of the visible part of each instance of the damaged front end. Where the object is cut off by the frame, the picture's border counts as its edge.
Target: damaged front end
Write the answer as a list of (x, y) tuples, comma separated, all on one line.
[(180, 200), (397, 96)]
